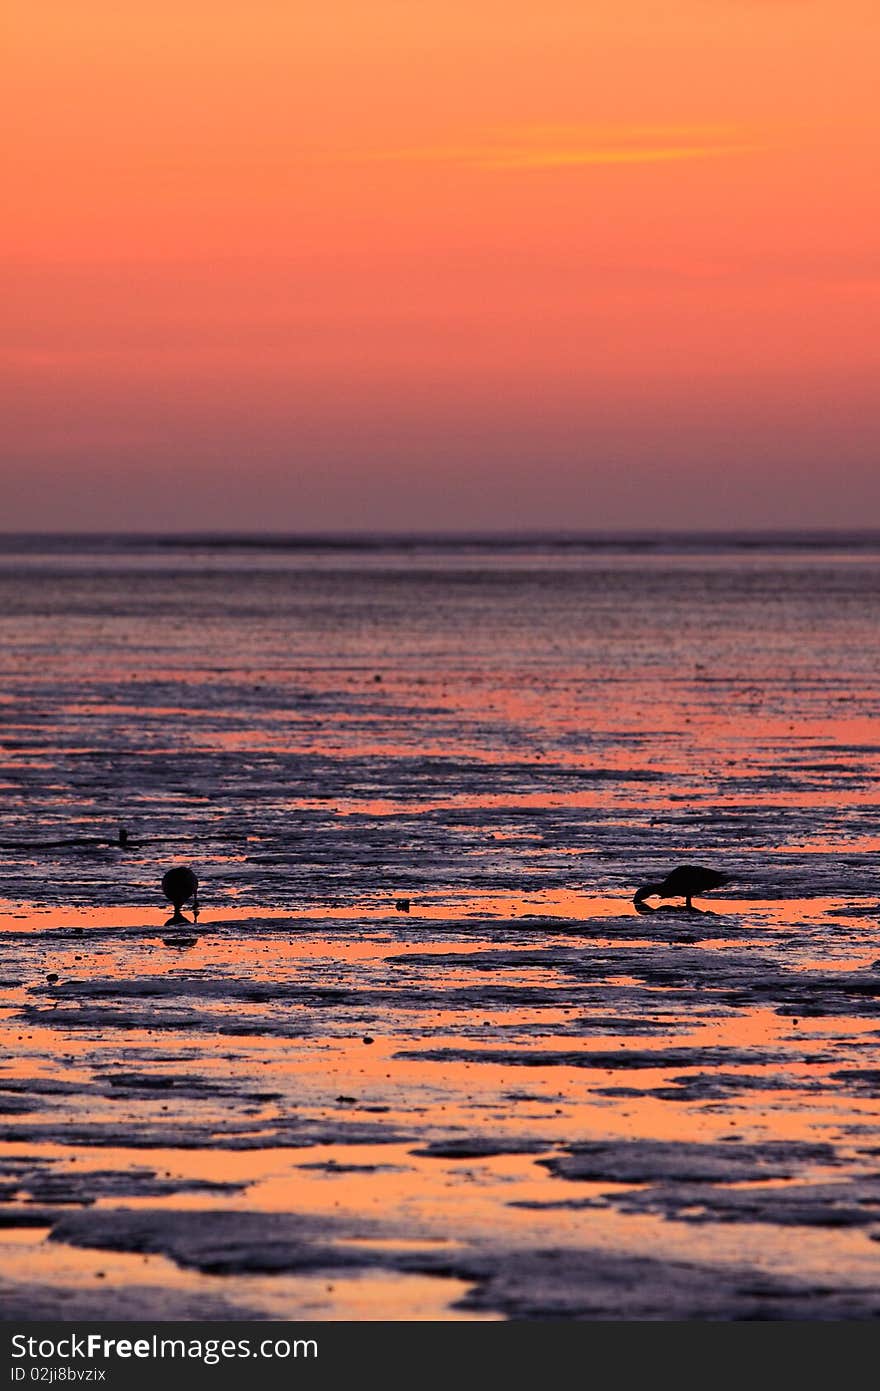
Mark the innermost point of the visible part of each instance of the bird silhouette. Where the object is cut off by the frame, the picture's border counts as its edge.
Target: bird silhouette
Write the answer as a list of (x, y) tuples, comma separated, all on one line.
[(684, 881), (179, 885)]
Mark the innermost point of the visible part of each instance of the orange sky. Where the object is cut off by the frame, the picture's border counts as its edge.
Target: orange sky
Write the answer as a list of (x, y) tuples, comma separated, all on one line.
[(462, 265)]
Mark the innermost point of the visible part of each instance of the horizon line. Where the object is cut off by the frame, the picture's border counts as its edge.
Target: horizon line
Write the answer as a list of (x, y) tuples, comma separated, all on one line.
[(521, 535)]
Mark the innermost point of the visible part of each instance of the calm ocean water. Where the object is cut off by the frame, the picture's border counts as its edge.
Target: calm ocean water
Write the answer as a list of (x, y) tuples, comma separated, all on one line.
[(342, 718)]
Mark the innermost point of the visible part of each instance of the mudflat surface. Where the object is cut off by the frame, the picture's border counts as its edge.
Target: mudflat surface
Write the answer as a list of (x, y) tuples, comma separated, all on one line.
[(513, 1095)]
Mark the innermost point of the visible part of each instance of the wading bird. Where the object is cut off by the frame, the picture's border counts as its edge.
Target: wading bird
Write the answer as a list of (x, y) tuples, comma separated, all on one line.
[(685, 881), (180, 885)]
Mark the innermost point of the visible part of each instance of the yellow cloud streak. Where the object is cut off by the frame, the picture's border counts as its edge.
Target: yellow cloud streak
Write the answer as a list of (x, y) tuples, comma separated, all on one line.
[(647, 154), (567, 147)]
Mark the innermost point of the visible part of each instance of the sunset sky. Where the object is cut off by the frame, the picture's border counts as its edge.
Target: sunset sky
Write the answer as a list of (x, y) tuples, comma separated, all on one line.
[(440, 264)]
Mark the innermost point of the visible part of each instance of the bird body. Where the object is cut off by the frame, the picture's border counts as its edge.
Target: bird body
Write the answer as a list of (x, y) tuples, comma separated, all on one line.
[(179, 885), (684, 881)]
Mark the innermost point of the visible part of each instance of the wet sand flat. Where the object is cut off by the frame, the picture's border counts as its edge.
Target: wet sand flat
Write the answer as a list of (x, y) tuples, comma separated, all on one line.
[(512, 1096)]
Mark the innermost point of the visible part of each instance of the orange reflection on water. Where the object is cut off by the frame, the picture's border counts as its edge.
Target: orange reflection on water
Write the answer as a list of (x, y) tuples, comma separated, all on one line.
[(302, 1094)]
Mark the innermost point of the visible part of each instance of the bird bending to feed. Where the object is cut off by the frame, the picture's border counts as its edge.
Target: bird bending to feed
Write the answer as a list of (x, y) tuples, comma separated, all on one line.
[(685, 881), (180, 885)]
